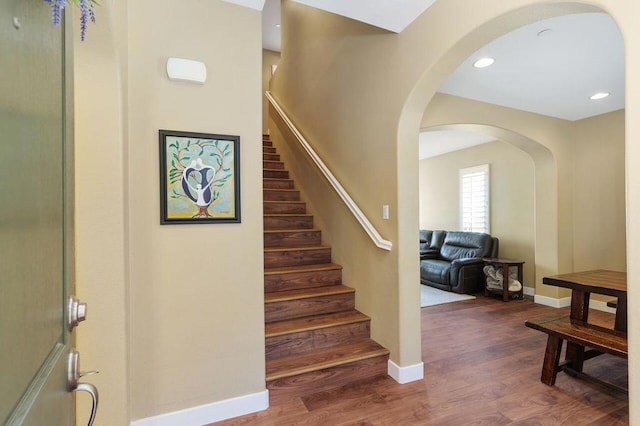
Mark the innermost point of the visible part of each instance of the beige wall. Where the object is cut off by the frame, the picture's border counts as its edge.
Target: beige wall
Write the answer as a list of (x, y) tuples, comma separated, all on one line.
[(101, 191), (196, 304), (175, 312), (511, 197), (359, 94), (598, 193), (269, 58)]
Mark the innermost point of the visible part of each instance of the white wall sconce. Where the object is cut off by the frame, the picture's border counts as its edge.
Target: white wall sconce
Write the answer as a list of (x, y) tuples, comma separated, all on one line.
[(186, 70)]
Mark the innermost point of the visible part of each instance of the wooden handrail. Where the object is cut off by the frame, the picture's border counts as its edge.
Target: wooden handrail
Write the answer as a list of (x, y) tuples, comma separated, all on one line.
[(342, 193)]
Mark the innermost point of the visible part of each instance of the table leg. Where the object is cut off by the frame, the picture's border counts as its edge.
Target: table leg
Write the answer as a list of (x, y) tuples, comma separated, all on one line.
[(579, 306), (505, 283), (621, 314)]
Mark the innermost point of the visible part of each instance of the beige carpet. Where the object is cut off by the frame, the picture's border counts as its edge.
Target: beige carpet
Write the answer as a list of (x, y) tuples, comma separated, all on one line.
[(430, 296)]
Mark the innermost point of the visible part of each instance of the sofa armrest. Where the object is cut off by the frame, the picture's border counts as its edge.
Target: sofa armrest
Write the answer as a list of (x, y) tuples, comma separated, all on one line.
[(466, 274), (467, 261), (429, 254)]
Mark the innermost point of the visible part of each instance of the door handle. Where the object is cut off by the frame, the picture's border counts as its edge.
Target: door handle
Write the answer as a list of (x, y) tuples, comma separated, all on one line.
[(73, 385), (93, 391)]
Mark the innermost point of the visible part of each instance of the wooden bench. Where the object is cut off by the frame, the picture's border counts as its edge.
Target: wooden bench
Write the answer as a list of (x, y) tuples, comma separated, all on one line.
[(578, 336)]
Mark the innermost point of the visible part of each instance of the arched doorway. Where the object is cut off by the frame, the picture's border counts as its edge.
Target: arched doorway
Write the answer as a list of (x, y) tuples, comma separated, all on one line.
[(558, 254), (544, 179)]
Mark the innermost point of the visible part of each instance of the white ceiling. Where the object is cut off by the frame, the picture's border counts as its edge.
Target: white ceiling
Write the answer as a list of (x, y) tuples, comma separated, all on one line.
[(385, 14), (253, 4), (270, 32), (392, 15), (550, 67)]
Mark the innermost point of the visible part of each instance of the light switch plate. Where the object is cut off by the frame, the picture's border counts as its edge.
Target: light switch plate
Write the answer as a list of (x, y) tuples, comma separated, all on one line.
[(385, 211)]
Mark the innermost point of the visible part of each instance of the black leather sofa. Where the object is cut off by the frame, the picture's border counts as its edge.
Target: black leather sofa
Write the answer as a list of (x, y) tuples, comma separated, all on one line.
[(452, 261)]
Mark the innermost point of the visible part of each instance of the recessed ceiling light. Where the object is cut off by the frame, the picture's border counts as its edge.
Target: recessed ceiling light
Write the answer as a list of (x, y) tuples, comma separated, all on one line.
[(277, 25), (483, 62), (599, 95)]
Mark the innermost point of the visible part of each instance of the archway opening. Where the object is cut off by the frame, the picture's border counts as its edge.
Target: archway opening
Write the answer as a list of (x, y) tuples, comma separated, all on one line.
[(519, 166), (560, 254)]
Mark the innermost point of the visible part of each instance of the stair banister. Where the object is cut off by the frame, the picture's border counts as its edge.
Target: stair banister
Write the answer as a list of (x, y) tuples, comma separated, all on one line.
[(342, 193)]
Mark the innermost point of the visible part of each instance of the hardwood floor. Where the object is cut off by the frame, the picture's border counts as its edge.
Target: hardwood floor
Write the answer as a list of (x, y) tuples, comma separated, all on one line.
[(482, 367)]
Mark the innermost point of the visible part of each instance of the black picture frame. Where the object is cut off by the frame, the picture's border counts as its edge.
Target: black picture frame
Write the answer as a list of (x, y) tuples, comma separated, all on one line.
[(199, 178)]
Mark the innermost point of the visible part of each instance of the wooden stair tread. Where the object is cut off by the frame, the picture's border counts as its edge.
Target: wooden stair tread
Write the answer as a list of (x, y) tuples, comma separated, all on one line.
[(290, 231), (306, 293), (306, 248), (320, 359), (286, 214), (302, 268), (281, 189), (277, 179), (314, 322), (283, 201)]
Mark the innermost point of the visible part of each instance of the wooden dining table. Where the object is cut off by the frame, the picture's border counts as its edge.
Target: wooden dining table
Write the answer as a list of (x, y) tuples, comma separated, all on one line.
[(582, 285)]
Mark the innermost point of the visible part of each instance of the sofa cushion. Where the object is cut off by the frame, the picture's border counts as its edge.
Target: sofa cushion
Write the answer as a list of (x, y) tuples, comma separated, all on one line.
[(437, 239), (435, 270), (425, 240), (430, 243), (462, 245)]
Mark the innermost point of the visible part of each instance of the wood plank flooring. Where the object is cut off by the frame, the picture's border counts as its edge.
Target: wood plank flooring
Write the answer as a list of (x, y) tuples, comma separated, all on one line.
[(482, 367)]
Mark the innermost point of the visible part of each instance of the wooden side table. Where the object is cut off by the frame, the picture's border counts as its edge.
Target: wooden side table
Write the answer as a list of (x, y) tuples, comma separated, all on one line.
[(505, 264)]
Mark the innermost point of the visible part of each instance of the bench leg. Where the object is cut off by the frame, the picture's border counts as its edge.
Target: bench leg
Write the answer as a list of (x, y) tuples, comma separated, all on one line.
[(551, 360), (575, 356)]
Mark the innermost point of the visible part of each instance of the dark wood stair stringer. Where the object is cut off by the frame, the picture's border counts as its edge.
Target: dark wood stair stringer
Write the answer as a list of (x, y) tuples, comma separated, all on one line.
[(315, 339)]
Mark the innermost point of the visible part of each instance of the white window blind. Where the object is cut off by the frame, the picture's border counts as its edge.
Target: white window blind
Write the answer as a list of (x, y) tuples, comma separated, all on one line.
[(474, 199)]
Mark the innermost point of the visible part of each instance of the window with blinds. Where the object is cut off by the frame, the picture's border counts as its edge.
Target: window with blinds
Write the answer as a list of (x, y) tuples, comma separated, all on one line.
[(474, 199)]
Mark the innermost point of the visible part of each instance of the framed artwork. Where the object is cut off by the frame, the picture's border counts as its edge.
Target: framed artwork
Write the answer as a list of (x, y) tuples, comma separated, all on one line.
[(199, 178)]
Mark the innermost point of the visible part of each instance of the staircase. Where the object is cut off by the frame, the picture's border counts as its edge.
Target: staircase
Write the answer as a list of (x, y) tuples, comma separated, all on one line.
[(315, 339)]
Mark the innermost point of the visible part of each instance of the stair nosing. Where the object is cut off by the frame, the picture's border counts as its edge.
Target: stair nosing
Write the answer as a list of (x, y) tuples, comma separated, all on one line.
[(306, 293), (357, 318), (373, 353), (302, 268), (283, 201), (305, 248), (286, 214), (281, 189), (290, 231)]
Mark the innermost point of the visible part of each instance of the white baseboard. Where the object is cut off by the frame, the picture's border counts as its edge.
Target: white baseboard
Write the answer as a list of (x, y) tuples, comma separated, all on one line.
[(209, 413), (601, 306), (566, 301), (407, 374), (551, 301), (529, 291)]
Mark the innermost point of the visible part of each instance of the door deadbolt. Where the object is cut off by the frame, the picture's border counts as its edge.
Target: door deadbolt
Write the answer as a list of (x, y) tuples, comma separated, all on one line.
[(76, 312)]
